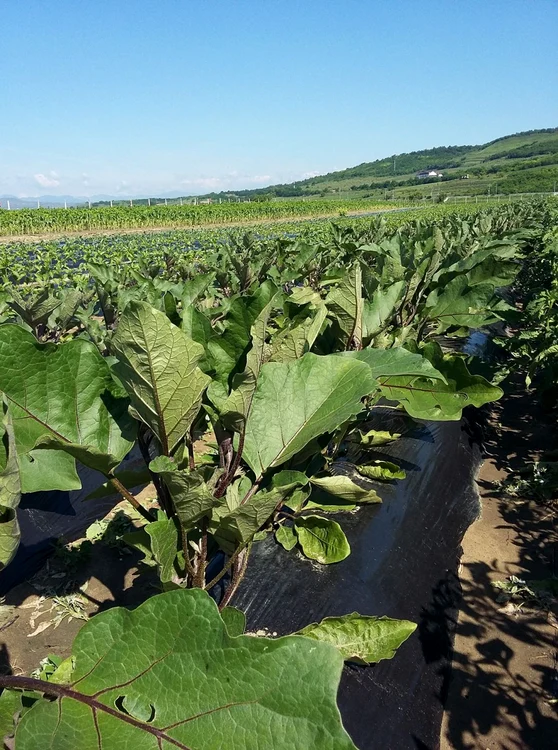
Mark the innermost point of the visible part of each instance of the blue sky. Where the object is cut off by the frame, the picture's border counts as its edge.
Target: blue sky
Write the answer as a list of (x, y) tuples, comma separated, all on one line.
[(145, 98)]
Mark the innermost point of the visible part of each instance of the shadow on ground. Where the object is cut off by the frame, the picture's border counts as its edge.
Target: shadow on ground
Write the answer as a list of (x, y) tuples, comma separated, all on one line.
[(504, 683)]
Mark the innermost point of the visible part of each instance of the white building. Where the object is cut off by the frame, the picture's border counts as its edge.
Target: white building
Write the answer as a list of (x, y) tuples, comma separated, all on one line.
[(425, 173)]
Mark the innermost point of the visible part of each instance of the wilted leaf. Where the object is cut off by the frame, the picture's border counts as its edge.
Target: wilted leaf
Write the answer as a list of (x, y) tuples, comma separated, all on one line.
[(361, 638), (374, 438), (328, 504), (40, 628), (383, 470), (343, 487)]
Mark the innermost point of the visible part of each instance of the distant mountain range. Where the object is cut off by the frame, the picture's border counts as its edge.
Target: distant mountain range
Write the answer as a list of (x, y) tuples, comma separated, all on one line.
[(522, 162)]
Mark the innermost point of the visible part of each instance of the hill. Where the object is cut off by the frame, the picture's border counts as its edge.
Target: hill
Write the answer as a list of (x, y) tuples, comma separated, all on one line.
[(520, 163)]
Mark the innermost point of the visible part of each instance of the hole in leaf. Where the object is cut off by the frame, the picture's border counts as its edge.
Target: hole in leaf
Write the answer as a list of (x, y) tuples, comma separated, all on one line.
[(136, 707), (7, 515)]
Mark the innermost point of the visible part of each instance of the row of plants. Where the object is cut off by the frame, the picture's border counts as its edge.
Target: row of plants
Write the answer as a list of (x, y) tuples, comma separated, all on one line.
[(271, 355), (63, 262), (531, 353), (59, 220), (533, 349)]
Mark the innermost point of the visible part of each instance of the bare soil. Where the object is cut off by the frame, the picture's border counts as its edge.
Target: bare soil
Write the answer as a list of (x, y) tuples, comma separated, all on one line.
[(503, 692), (102, 576)]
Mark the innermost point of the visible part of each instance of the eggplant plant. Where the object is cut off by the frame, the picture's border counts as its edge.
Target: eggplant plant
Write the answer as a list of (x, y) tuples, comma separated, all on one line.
[(277, 364), (177, 673), (275, 412)]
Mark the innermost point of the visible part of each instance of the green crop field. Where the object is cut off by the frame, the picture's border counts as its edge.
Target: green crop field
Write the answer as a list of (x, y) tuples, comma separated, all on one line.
[(59, 220), (237, 375)]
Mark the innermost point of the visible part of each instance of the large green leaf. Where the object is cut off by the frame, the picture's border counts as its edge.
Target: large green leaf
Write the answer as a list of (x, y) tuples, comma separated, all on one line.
[(457, 304), (378, 311), (321, 539), (297, 339), (168, 675), (34, 310), (191, 496), (297, 401), (360, 638), (158, 365), (235, 410), (346, 304), (492, 256), (194, 288), (427, 399), (44, 470), (196, 326), (10, 492), (63, 397), (227, 348), (396, 361)]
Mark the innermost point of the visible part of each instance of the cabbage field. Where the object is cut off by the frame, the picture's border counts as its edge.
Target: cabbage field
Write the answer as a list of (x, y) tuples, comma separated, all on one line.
[(242, 368)]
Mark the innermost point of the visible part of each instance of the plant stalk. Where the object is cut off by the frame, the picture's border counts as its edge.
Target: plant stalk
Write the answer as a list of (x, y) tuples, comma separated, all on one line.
[(127, 495), (229, 476), (187, 564), (225, 570), (239, 571), (252, 491), (199, 580)]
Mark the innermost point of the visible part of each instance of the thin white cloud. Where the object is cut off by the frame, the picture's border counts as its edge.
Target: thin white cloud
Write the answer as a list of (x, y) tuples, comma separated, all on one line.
[(231, 180), (46, 182), (205, 182)]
